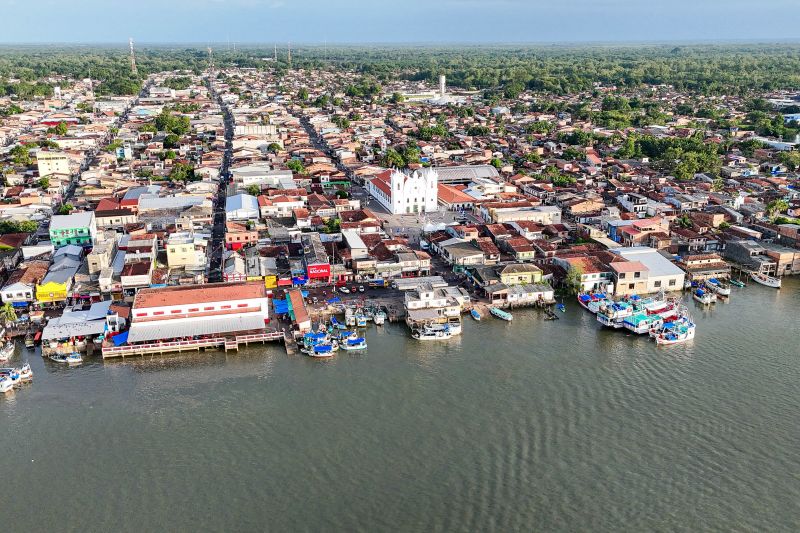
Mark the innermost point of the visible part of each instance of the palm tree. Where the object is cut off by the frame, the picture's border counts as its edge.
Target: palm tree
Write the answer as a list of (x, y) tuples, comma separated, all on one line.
[(7, 313)]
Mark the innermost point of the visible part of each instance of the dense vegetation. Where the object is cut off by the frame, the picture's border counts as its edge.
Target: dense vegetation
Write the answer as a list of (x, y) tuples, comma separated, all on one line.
[(703, 69)]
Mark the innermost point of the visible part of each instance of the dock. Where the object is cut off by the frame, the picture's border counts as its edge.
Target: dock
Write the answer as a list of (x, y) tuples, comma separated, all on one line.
[(217, 343)]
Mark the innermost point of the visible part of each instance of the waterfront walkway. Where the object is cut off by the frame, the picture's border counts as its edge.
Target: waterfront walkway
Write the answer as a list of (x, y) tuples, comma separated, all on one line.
[(226, 343)]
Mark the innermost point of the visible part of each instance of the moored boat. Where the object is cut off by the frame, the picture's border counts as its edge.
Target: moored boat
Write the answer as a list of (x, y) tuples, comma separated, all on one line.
[(704, 297), (767, 281), (73, 358), (719, 287), (379, 318), (642, 323), (475, 314), (359, 343), (676, 332), (612, 315), (6, 384), (25, 373), (321, 351), (561, 307), (737, 283), (502, 315), (427, 334), (7, 351)]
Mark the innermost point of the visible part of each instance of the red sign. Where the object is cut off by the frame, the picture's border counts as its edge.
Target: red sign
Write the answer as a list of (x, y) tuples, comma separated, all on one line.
[(319, 271)]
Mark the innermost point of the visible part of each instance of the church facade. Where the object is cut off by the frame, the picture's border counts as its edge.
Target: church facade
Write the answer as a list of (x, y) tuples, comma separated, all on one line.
[(406, 193)]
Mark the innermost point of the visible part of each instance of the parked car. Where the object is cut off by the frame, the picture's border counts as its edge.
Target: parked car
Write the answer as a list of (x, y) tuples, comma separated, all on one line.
[(360, 288), (344, 290)]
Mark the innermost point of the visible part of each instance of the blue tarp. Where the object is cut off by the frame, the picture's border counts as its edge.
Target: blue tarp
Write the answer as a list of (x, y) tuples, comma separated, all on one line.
[(281, 306), (304, 293), (19, 304), (299, 281), (334, 300), (120, 339)]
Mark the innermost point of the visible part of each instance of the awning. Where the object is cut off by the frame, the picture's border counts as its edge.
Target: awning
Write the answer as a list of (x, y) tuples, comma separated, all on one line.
[(173, 329), (281, 306), (120, 339), (20, 304)]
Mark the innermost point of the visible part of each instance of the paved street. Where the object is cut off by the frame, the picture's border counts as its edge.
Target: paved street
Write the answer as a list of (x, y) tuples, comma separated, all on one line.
[(218, 231)]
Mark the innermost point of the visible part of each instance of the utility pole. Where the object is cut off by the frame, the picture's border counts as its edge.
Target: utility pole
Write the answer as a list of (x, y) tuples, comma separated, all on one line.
[(133, 57)]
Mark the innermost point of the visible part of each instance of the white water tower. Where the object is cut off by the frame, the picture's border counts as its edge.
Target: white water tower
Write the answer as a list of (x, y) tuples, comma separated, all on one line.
[(442, 84)]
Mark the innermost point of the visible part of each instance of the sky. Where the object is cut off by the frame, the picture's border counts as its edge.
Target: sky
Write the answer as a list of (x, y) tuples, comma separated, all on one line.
[(397, 21)]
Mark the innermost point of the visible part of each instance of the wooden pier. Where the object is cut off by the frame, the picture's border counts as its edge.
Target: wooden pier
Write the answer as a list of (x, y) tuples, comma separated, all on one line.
[(226, 343)]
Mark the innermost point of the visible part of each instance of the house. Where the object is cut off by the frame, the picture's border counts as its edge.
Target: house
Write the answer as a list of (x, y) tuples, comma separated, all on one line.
[(186, 250), (238, 235), (77, 228), (56, 284), (52, 162), (660, 272), (20, 289), (701, 267)]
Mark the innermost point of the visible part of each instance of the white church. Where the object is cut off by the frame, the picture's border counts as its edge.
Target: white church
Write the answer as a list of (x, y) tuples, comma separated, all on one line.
[(402, 193)]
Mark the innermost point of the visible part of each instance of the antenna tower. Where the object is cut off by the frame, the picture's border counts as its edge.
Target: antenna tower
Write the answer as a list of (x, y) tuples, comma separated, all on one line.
[(133, 57)]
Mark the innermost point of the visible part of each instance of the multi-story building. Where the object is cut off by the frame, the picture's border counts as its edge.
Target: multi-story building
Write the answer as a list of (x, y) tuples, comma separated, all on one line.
[(77, 228), (48, 163), (406, 193)]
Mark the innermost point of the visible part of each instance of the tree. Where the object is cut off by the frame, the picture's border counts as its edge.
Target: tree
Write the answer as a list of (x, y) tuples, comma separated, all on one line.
[(253, 190), (302, 94), (342, 194), (182, 172), (20, 155), (171, 141), (11, 226), (44, 183), (574, 279), (65, 209), (790, 159), (777, 206), (496, 163), (59, 129), (296, 166), (393, 159), (8, 313), (397, 98)]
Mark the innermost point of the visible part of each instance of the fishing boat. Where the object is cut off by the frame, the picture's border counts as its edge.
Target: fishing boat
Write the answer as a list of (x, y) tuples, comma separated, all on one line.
[(427, 333), (30, 342), (6, 384), (704, 297), (379, 318), (351, 345), (561, 307), (12, 374), (642, 323), (719, 287), (7, 351), (502, 315), (321, 351), (767, 281), (475, 314), (73, 358), (613, 315), (336, 324), (737, 283), (676, 332), (25, 373), (453, 324), (592, 301)]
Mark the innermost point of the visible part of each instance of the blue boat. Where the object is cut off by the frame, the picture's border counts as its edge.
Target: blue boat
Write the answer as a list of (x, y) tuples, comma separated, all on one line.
[(321, 350), (356, 344), (502, 315), (475, 314), (561, 307)]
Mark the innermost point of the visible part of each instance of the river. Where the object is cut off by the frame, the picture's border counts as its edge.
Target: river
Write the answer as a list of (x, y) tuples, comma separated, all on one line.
[(527, 426)]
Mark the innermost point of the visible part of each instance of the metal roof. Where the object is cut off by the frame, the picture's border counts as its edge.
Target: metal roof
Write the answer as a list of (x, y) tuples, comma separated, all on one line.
[(171, 329)]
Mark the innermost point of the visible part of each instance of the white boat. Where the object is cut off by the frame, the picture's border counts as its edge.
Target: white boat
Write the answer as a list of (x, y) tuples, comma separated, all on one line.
[(475, 315), (765, 280), (379, 318), (321, 351), (719, 287), (11, 374), (427, 333), (642, 323), (6, 384), (704, 297), (361, 321), (7, 351), (676, 332), (25, 373), (351, 345), (614, 314), (73, 358)]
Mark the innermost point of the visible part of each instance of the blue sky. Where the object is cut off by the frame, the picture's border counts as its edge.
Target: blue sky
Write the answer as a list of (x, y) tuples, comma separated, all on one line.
[(359, 21)]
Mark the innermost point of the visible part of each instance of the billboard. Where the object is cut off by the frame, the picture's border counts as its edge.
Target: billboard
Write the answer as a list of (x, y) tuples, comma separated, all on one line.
[(319, 271)]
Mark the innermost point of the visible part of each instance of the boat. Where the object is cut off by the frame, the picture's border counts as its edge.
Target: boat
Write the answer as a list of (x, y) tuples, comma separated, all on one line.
[(502, 315), (321, 351), (336, 324), (592, 301), (12, 374), (704, 297), (737, 283), (73, 358), (379, 318), (429, 334), (30, 341), (7, 351), (767, 281), (6, 384), (719, 287), (361, 321), (612, 315), (642, 323), (676, 332), (359, 343), (25, 373), (561, 307), (475, 314)]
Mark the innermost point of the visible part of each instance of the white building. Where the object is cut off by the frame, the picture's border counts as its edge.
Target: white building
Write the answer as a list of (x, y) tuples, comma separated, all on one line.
[(658, 272), (403, 193)]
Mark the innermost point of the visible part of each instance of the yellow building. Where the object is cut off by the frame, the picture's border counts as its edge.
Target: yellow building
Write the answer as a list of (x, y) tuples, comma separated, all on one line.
[(52, 163), (51, 292), (519, 274), (183, 251)]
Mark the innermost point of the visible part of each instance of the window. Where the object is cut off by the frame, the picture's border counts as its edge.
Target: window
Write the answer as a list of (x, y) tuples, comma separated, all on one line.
[(631, 285), (672, 283), (194, 310), (225, 307), (208, 308), (242, 305), (637, 275), (622, 275), (158, 312), (657, 284), (175, 311)]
